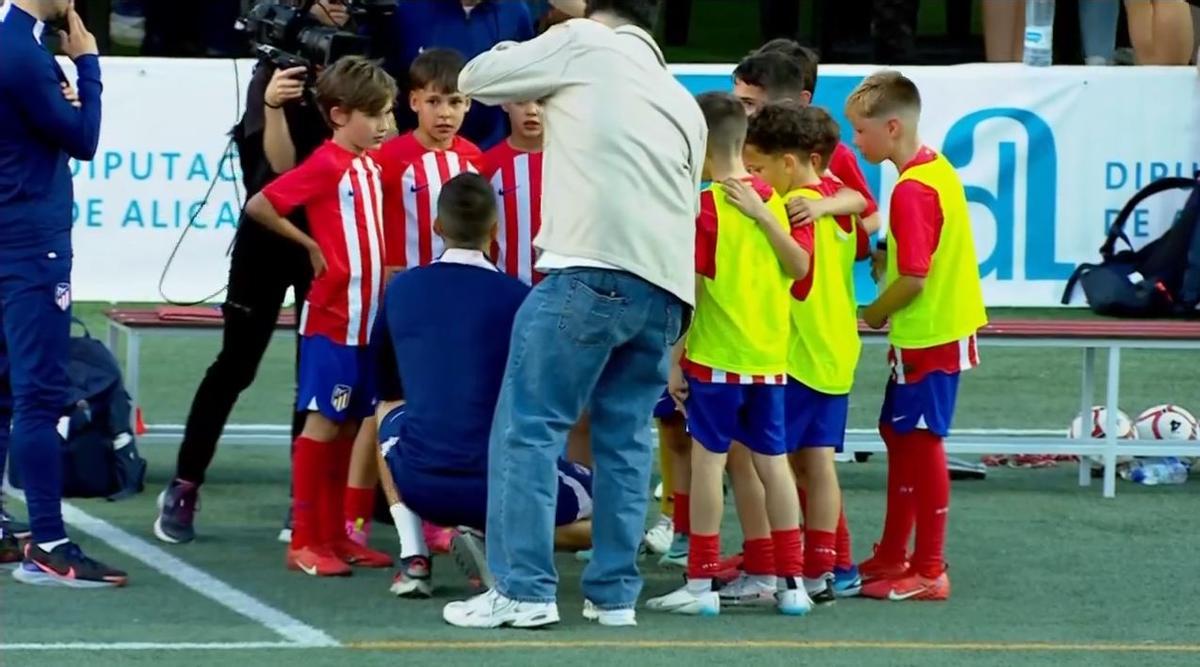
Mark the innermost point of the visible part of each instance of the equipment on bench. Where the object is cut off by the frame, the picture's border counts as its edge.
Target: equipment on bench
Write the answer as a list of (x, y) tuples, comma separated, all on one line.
[(1162, 279)]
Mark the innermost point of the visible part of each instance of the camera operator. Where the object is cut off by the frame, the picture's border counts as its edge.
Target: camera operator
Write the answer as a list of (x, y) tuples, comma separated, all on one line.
[(280, 128)]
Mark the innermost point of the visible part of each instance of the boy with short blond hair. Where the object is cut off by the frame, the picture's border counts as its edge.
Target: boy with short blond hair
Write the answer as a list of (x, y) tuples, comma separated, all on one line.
[(933, 303), (339, 186), (790, 146), (736, 363)]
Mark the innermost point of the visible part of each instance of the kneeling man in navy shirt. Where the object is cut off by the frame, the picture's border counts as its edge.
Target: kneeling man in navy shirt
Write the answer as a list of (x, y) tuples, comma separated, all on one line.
[(443, 342)]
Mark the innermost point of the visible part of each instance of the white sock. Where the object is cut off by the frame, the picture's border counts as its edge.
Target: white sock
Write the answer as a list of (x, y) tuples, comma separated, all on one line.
[(408, 528), (699, 586), (51, 546)]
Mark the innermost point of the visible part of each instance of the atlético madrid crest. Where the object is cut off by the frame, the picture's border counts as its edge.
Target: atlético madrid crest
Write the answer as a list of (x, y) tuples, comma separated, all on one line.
[(340, 398), (62, 296)]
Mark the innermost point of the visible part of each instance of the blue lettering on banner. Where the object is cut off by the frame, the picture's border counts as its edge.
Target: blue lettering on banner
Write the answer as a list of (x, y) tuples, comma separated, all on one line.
[(199, 169)]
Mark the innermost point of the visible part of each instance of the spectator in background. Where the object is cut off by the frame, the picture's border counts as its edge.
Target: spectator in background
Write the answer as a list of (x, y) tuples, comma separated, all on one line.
[(470, 27), (1003, 30), (1161, 31), (1098, 29)]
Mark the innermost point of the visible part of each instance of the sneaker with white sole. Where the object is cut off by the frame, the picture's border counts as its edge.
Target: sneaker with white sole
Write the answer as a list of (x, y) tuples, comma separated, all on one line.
[(687, 602), (821, 590), (469, 552), (413, 578), (493, 610), (750, 590), (791, 599), (676, 556), (846, 582), (609, 617), (658, 539)]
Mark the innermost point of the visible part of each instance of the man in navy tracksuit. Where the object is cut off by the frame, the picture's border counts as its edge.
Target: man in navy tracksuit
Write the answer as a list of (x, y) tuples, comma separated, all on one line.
[(43, 122)]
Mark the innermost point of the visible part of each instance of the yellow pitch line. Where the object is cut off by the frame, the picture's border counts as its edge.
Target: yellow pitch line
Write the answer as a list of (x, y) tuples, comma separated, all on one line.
[(770, 644)]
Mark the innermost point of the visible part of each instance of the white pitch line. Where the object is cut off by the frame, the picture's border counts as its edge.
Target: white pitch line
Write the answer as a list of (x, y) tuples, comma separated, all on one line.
[(152, 646), (201, 582)]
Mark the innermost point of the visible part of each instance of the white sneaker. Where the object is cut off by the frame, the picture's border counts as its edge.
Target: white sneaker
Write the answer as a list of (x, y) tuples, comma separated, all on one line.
[(821, 590), (609, 617), (750, 590), (684, 601), (791, 598), (658, 538), (493, 610)]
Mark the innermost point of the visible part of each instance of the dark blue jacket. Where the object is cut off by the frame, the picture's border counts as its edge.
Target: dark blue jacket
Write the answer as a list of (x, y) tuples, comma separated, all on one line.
[(426, 24), (39, 131)]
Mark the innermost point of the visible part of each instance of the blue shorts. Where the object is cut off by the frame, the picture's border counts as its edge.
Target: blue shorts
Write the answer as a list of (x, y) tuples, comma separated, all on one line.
[(337, 381), (926, 405), (452, 500), (752, 414), (815, 419), (665, 407)]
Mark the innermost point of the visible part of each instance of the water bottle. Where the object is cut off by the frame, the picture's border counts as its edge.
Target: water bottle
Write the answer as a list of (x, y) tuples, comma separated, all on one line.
[(1152, 472), (1039, 32)]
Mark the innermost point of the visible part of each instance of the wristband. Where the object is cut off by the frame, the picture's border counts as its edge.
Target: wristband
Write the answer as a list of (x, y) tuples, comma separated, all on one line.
[(271, 106)]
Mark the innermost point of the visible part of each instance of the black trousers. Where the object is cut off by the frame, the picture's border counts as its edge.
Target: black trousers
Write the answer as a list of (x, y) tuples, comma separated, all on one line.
[(261, 270)]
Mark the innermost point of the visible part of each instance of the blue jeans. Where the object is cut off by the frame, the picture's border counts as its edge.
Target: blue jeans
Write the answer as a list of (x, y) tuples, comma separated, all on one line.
[(584, 339)]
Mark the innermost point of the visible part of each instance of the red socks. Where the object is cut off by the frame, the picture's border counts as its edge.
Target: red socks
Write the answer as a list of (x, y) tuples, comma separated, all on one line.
[(306, 489), (704, 554), (901, 503), (683, 517), (789, 552), (759, 556), (845, 559), (932, 501), (360, 504), (820, 553)]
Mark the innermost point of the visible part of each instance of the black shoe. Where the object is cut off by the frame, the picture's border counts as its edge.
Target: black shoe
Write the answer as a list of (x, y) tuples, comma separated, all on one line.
[(10, 547), (131, 468), (177, 506), (66, 566), (11, 525)]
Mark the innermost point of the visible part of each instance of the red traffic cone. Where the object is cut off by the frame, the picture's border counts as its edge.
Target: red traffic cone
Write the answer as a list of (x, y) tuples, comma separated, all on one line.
[(139, 424)]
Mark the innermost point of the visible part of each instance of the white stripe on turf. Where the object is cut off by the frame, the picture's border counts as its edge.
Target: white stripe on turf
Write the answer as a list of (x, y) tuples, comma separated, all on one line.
[(193, 578), (151, 646)]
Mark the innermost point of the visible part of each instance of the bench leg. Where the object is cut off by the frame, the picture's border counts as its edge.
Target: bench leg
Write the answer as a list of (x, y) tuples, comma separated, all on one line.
[(1087, 394), (133, 350), (1110, 426)]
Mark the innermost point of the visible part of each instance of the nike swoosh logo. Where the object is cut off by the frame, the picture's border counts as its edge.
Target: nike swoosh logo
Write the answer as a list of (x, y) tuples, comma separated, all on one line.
[(905, 596), (418, 188), (69, 574), (504, 191), (898, 419), (311, 570)]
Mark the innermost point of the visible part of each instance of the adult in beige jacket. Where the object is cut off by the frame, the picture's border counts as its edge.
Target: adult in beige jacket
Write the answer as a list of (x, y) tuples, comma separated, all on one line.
[(624, 151)]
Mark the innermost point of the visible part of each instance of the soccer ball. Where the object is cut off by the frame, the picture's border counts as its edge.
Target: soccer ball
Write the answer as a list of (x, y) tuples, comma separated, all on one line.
[(1167, 422), (1125, 431)]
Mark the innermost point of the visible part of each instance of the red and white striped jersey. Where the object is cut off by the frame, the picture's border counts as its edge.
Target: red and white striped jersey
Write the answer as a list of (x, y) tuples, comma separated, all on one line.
[(910, 366), (516, 177), (342, 194), (413, 179), (716, 376)]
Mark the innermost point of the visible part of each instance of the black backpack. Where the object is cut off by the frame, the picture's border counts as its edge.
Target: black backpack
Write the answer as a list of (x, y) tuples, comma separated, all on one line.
[(1161, 279), (100, 457)]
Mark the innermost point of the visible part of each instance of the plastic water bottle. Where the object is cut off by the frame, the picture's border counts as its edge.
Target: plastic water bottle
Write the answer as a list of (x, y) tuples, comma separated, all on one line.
[(1039, 32), (1152, 472)]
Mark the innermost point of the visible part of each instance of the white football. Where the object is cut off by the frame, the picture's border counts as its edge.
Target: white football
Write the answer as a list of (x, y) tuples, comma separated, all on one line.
[(1125, 431), (1167, 422)]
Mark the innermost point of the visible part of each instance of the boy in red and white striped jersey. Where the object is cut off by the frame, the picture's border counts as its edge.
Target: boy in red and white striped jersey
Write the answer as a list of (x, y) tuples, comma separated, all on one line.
[(514, 168), (418, 163), (339, 187)]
